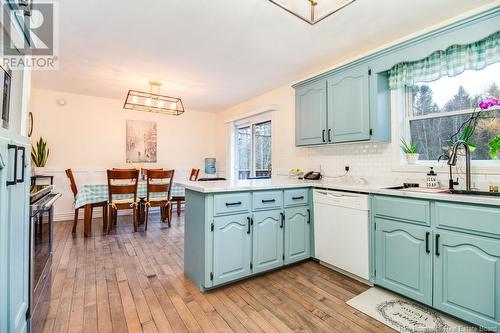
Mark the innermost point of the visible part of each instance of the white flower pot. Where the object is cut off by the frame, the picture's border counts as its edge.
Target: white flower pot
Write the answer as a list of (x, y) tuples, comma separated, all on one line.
[(412, 158), (36, 171)]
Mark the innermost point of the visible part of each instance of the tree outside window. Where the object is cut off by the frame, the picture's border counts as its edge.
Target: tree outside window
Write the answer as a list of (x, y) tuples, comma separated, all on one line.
[(437, 109), (253, 146)]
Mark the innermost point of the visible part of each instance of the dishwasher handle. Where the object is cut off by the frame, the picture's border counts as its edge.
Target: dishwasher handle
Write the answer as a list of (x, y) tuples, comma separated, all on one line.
[(336, 195)]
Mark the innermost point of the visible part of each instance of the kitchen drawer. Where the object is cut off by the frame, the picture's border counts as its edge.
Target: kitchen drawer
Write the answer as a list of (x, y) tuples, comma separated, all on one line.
[(412, 210), (267, 200), (232, 203), (296, 197), (464, 217)]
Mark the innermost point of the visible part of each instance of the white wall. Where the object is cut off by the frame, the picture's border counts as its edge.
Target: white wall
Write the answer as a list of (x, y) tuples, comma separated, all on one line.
[(88, 135)]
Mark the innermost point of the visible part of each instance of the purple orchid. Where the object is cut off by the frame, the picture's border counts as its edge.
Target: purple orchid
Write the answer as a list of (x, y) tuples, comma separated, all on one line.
[(488, 103)]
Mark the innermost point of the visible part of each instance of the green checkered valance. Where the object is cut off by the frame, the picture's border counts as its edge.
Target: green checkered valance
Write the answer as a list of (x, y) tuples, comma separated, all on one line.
[(452, 61)]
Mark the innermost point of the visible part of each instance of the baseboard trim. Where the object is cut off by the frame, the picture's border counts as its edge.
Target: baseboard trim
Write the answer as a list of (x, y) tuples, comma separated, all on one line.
[(97, 213)]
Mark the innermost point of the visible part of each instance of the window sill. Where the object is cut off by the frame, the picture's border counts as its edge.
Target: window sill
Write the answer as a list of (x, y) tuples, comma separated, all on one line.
[(477, 167)]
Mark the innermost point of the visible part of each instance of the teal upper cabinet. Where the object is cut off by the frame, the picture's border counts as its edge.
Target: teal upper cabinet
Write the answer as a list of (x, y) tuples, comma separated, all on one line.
[(297, 234), (341, 107), (348, 106), (467, 277), (267, 240), (310, 114), (232, 247), (404, 259)]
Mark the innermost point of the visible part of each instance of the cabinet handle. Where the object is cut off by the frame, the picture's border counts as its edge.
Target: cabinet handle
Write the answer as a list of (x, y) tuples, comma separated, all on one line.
[(249, 220), (437, 245), (298, 198), (269, 201), (308, 216), (23, 150), (282, 220), (427, 234), (228, 204), (329, 135), (323, 136), (14, 179)]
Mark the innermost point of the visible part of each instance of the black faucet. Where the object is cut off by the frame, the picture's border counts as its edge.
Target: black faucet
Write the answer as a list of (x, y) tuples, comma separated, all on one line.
[(451, 182), (453, 160)]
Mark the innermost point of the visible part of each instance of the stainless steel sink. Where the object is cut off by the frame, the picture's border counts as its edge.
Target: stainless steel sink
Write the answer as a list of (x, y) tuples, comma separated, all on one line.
[(492, 194), (463, 192)]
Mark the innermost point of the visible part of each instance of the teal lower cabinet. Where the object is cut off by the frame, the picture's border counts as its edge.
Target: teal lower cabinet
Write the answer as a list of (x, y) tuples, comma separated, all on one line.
[(223, 244), (404, 259), (297, 234), (452, 265), (267, 240), (467, 277), (232, 248)]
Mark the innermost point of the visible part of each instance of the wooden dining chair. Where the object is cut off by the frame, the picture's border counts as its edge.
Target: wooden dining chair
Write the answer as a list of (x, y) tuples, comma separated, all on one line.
[(159, 182), (180, 199), (194, 175), (103, 204), (145, 171), (122, 194)]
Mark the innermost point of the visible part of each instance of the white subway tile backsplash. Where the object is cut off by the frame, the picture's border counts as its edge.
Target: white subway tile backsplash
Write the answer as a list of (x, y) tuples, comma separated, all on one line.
[(374, 162)]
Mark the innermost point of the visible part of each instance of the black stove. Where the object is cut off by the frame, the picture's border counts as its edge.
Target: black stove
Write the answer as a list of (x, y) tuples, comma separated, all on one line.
[(42, 199)]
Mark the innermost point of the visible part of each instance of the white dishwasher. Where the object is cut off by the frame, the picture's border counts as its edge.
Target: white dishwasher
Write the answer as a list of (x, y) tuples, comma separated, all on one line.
[(341, 231)]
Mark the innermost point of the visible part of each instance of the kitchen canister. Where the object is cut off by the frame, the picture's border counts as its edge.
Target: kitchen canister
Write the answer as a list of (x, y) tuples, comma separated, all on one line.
[(432, 179)]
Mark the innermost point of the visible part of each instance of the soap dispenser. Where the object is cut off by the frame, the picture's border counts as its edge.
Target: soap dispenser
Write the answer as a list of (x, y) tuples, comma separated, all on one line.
[(432, 179)]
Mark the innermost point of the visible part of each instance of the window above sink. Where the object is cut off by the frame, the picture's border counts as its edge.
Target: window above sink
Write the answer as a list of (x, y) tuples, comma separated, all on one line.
[(436, 110)]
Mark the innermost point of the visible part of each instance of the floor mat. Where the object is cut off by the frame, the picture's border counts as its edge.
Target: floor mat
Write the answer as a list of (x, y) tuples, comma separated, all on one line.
[(405, 315)]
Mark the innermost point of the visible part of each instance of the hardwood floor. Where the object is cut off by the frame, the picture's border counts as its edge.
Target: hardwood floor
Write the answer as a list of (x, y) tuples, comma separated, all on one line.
[(134, 282)]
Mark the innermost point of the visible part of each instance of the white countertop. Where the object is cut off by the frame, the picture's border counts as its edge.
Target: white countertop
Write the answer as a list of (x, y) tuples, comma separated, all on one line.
[(246, 185), (353, 186)]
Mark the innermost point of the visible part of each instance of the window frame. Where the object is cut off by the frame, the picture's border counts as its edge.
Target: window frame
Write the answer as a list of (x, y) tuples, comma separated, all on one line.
[(409, 117), (244, 123)]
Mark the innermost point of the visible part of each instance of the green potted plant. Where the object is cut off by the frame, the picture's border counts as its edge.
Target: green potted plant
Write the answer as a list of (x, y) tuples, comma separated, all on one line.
[(410, 150), (39, 153), (494, 147), (466, 135)]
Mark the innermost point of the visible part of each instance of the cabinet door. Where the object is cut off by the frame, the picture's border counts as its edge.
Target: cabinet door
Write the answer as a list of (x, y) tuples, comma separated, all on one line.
[(4, 239), (404, 259), (467, 277), (348, 106), (310, 114), (19, 238), (297, 234), (267, 240), (232, 248)]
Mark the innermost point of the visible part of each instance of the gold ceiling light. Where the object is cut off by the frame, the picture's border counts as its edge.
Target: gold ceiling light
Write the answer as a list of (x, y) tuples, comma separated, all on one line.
[(152, 101), (312, 11)]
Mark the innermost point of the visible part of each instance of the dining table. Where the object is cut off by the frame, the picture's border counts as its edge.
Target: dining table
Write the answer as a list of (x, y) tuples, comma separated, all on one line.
[(94, 193)]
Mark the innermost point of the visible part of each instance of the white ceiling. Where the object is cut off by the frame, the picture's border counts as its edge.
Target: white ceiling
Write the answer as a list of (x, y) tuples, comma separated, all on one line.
[(216, 53)]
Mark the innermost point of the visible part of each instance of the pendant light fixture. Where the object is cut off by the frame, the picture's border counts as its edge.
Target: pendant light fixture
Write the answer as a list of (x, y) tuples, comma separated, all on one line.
[(312, 11), (152, 101)]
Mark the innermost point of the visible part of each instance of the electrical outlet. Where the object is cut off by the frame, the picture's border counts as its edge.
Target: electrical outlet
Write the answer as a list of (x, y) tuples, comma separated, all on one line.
[(346, 168)]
